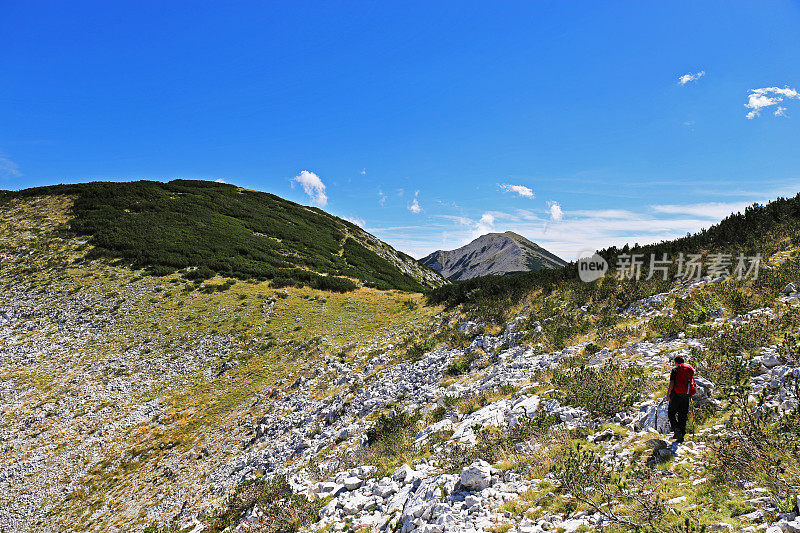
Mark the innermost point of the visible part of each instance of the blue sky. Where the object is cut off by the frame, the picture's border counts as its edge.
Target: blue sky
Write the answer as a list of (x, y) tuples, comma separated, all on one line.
[(576, 124)]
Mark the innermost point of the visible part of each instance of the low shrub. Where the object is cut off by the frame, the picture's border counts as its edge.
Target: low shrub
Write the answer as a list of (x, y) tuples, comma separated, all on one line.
[(666, 326), (461, 365), (283, 510), (200, 273), (591, 349), (333, 284), (419, 348), (603, 391), (389, 427), (629, 499)]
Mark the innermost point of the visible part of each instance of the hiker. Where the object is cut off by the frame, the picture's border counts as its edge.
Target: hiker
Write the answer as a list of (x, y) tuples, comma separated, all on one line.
[(681, 383)]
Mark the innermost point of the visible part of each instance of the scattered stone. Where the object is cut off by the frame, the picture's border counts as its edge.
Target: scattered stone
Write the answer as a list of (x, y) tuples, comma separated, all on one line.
[(353, 483), (477, 476)]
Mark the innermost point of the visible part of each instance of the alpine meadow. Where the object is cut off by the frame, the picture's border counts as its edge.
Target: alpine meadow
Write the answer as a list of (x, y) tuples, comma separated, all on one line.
[(399, 267)]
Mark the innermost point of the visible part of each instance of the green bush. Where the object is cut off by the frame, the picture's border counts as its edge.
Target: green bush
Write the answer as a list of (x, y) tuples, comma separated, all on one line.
[(419, 348), (630, 499), (696, 308), (333, 284), (725, 361), (591, 349), (460, 365), (200, 273), (603, 391), (389, 427), (666, 326), (283, 510), (160, 270)]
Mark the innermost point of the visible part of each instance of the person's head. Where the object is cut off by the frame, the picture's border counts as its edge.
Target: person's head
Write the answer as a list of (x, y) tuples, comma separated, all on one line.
[(679, 360)]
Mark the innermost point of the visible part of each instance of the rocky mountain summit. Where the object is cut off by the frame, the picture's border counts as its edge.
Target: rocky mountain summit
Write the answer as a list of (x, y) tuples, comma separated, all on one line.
[(493, 253)]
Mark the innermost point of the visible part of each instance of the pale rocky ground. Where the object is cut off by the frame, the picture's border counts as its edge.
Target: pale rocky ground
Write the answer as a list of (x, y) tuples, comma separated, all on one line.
[(420, 497), (114, 415)]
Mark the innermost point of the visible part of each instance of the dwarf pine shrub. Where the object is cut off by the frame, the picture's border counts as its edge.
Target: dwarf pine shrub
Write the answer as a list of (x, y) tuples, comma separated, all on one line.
[(603, 391), (461, 365), (283, 510)]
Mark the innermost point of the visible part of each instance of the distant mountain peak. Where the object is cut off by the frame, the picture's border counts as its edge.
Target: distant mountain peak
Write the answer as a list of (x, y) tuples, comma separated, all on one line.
[(492, 254)]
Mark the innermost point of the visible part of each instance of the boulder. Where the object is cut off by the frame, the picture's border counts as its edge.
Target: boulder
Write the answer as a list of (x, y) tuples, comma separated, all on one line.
[(770, 360), (790, 526), (327, 488), (788, 289), (705, 388), (355, 503), (353, 483), (329, 510), (605, 435), (491, 415), (405, 474), (468, 325), (653, 417), (385, 488), (477, 476), (526, 408)]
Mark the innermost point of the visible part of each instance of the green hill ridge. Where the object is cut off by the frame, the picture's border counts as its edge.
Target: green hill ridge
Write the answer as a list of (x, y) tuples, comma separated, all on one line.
[(208, 228)]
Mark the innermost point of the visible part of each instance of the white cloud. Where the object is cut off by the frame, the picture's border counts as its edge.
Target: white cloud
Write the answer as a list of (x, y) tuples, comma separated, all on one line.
[(313, 187), (556, 214), (220, 180), (521, 190), (464, 221), (356, 220), (758, 99), (8, 168), (604, 213), (483, 226), (381, 198), (414, 206), (686, 78), (363, 171), (711, 210)]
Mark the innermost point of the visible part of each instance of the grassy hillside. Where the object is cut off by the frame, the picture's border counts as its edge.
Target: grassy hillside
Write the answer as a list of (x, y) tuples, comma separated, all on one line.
[(207, 228), (121, 392), (126, 398)]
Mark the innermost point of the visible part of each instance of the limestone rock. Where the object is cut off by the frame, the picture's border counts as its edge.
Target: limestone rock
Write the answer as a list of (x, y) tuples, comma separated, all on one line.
[(477, 476)]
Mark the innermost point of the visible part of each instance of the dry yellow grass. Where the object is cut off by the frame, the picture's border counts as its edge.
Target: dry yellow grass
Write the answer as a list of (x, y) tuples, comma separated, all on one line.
[(272, 336)]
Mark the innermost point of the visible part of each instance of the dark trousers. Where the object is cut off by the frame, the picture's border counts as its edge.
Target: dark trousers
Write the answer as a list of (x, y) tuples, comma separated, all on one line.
[(678, 412)]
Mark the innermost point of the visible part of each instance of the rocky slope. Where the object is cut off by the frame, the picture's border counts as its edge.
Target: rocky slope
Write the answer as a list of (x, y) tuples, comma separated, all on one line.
[(129, 401), (493, 253), (434, 492)]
